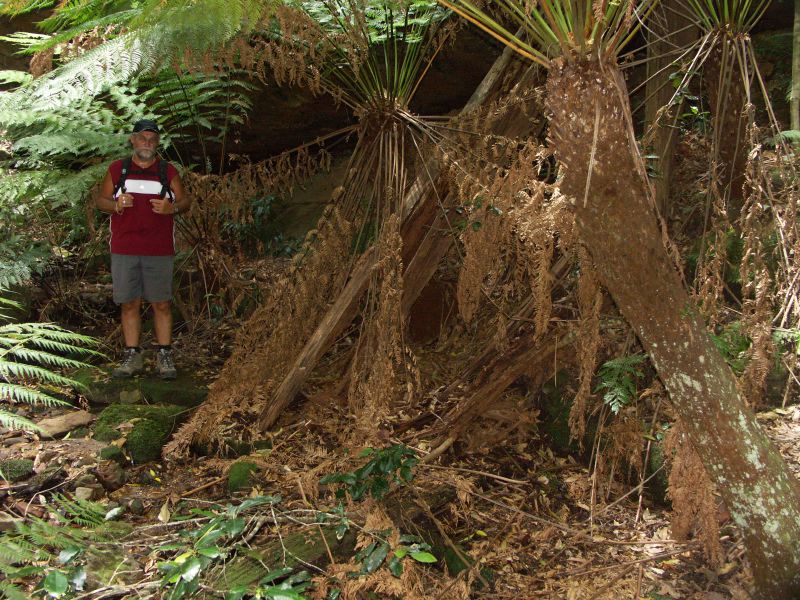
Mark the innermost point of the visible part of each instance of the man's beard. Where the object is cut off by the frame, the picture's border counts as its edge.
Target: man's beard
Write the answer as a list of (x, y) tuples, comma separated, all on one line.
[(145, 154)]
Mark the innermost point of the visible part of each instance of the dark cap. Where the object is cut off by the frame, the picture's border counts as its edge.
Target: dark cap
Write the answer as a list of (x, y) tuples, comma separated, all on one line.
[(145, 125)]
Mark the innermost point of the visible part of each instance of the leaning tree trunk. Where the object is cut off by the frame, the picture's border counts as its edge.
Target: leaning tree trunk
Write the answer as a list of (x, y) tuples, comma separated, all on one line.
[(591, 124)]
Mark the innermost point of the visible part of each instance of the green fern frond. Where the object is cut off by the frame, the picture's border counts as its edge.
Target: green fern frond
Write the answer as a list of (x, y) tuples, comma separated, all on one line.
[(34, 373), (13, 272), (17, 77), (20, 7), (15, 392), (41, 357), (12, 421), (11, 592), (49, 331)]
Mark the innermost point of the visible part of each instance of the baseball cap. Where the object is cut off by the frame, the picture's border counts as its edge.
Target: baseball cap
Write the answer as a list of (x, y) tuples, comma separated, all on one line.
[(145, 125)]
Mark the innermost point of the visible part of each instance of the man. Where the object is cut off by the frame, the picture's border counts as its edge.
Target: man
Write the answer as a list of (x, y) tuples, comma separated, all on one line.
[(143, 196)]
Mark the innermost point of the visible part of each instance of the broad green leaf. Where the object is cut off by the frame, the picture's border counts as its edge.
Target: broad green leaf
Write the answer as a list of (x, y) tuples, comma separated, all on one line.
[(55, 584), (423, 557)]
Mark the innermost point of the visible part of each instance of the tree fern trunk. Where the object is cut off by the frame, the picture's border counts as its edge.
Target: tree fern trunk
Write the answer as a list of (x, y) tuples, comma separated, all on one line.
[(615, 218), (672, 28), (726, 98), (794, 101)]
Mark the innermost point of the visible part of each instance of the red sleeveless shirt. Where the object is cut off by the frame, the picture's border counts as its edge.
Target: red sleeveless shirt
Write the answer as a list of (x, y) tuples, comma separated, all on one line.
[(138, 230)]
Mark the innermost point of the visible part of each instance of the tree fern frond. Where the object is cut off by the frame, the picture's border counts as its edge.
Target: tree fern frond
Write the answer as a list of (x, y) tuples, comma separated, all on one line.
[(19, 77), (12, 421), (48, 331), (41, 357), (24, 371), (11, 592), (20, 393), (20, 7), (60, 347)]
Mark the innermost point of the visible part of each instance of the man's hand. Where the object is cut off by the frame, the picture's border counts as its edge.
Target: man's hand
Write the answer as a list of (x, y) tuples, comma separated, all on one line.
[(123, 201), (162, 206)]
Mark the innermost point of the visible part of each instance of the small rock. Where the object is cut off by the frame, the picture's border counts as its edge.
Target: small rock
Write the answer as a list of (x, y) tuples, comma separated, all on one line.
[(45, 456), (64, 423), (135, 506), (130, 396), (85, 480), (14, 440), (9, 523), (147, 478), (110, 475), (84, 493)]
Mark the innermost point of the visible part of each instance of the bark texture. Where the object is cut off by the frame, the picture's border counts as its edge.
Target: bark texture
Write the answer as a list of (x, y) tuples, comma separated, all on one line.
[(672, 28), (727, 98), (591, 124)]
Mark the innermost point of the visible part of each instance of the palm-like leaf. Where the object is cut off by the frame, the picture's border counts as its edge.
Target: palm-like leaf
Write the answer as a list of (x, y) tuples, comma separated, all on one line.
[(735, 16), (572, 29)]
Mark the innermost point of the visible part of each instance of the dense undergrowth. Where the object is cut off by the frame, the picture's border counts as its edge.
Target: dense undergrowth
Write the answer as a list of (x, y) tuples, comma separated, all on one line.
[(407, 467)]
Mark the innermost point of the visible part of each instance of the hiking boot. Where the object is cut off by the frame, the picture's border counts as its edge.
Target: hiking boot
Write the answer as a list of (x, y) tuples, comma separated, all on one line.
[(164, 364), (130, 365)]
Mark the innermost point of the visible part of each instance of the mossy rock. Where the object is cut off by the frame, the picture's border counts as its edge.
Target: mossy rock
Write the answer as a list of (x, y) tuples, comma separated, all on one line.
[(240, 475), (15, 469), (302, 547), (153, 426), (113, 453), (186, 390)]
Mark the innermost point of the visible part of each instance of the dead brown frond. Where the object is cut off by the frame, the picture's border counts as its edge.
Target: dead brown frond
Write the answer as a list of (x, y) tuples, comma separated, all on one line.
[(223, 203), (42, 62), (590, 298), (618, 451), (379, 357), (694, 503), (271, 339)]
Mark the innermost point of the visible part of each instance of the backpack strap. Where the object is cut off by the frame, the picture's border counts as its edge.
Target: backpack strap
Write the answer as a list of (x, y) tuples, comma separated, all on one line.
[(123, 176), (166, 191)]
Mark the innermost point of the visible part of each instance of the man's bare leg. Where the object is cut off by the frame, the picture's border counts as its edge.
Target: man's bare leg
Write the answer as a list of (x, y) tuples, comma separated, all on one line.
[(162, 322), (131, 319), (131, 322)]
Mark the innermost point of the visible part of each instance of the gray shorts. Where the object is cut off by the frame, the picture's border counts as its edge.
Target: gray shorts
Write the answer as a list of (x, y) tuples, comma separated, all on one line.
[(148, 277)]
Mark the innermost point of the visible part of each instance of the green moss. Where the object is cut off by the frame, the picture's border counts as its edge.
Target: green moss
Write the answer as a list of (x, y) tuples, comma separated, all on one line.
[(187, 390), (113, 453), (239, 475), (15, 469), (154, 424), (79, 432)]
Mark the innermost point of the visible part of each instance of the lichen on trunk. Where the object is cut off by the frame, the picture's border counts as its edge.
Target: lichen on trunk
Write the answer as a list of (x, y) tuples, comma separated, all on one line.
[(592, 134)]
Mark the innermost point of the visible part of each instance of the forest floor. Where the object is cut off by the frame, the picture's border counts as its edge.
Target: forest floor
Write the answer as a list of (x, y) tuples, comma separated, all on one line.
[(503, 515)]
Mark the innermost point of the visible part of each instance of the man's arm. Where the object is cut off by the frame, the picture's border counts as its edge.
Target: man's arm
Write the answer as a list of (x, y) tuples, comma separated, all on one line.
[(164, 206), (182, 201), (105, 200)]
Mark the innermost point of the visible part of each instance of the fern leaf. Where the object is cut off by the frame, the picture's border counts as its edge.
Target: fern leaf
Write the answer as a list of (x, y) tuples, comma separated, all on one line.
[(12, 421), (32, 372), (20, 393)]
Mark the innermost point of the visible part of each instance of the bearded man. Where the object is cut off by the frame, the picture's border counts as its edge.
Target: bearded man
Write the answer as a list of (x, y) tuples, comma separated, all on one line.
[(143, 194)]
